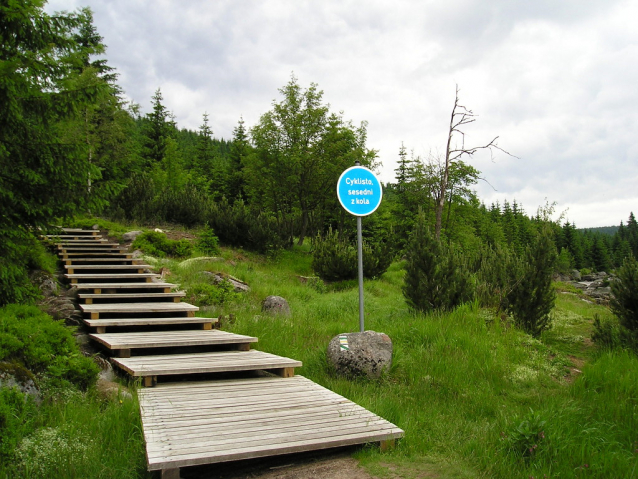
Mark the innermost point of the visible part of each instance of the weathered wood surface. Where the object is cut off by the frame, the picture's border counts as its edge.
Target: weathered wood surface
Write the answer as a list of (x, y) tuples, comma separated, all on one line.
[(75, 277), (197, 363), (141, 296), (115, 322), (165, 339), (116, 286), (216, 421), (107, 267), (138, 308)]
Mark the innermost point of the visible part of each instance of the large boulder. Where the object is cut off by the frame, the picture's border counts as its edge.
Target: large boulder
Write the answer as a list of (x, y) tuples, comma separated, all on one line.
[(130, 236), (275, 305), (361, 354)]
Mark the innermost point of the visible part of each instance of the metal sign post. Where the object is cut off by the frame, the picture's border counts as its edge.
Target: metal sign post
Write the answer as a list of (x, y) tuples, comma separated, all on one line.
[(360, 193)]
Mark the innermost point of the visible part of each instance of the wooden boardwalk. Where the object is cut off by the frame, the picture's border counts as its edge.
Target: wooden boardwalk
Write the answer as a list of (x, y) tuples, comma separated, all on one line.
[(151, 334)]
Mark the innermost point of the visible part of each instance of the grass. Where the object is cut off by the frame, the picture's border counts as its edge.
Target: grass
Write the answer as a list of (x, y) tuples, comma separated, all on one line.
[(476, 397)]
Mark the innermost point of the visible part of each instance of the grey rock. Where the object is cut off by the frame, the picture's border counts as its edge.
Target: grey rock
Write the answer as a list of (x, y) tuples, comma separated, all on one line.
[(14, 376), (575, 274), (275, 305), (238, 285), (130, 236), (360, 354), (137, 254), (46, 283), (61, 308)]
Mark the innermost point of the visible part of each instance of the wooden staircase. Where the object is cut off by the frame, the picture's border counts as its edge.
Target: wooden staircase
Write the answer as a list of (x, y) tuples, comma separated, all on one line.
[(141, 322)]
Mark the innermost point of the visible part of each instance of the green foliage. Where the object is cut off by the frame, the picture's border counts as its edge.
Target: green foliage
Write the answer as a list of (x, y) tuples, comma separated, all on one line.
[(624, 303), (16, 413), (157, 244), (334, 258), (527, 437), (187, 205), (238, 225), (607, 333), (204, 294), (496, 269), (43, 346), (435, 278), (532, 296), (207, 242)]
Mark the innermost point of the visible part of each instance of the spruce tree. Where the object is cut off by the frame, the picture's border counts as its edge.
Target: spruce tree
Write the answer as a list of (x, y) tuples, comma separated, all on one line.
[(532, 297), (624, 303), (435, 278)]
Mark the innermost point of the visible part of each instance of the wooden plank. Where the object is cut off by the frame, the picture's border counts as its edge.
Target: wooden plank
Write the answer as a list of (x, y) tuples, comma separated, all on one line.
[(108, 267), (157, 339), (169, 296), (178, 435), (138, 308), (119, 322), (97, 277), (197, 363), (117, 286)]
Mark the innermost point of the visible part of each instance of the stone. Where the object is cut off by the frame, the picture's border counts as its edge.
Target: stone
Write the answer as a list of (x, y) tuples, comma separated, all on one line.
[(46, 283), (360, 354), (130, 236), (13, 375), (201, 259), (238, 285), (575, 275), (275, 305), (61, 308), (112, 390)]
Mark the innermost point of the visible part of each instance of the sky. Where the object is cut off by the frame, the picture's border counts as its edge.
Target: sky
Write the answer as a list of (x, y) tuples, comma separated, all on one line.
[(556, 81)]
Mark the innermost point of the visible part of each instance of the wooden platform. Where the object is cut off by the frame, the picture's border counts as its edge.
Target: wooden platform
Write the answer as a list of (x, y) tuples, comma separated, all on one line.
[(77, 277), (205, 323), (201, 363), (99, 287), (217, 421), (96, 309), (170, 339), (90, 298)]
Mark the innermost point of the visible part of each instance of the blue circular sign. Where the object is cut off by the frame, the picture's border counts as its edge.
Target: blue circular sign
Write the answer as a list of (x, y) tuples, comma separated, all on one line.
[(359, 191)]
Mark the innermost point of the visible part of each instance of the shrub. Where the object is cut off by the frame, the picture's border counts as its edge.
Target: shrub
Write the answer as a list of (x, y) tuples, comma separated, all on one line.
[(236, 225), (335, 258), (624, 303), (187, 205), (435, 278), (496, 269), (207, 242), (532, 296), (136, 201), (607, 333), (526, 438), (43, 346), (157, 244)]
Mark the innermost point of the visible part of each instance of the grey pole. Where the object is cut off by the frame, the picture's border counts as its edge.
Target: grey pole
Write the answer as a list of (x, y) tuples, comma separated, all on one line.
[(360, 255)]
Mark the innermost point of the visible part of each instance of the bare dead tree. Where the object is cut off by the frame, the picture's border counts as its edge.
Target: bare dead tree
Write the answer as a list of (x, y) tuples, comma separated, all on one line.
[(460, 117)]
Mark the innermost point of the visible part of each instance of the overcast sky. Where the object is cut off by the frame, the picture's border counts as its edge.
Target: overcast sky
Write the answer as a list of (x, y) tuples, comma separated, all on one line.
[(556, 80)]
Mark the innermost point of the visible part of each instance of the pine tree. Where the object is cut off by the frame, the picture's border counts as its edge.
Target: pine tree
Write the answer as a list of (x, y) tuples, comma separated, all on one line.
[(239, 151), (532, 298), (435, 278), (159, 127), (624, 302)]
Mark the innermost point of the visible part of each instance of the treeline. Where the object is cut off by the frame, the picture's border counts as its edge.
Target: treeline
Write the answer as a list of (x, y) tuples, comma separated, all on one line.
[(70, 145)]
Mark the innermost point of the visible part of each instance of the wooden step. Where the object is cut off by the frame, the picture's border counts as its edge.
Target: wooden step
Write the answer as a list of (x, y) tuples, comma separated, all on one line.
[(77, 278), (98, 288), (88, 246), (140, 268), (73, 237), (96, 309), (122, 343), (79, 230), (97, 240), (196, 423), (99, 325), (98, 260), (204, 363), (115, 255), (91, 298)]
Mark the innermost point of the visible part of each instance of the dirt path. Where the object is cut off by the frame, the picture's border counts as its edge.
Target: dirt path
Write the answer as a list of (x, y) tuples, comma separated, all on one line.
[(327, 465)]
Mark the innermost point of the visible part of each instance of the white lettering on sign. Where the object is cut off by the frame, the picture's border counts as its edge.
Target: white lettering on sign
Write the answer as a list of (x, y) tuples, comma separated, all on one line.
[(358, 181), (360, 192)]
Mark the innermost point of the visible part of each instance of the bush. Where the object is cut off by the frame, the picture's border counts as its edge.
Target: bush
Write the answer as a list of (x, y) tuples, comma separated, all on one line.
[(207, 242), (157, 244), (496, 268), (236, 225), (532, 296), (624, 303), (43, 346), (334, 258), (435, 278), (187, 205)]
